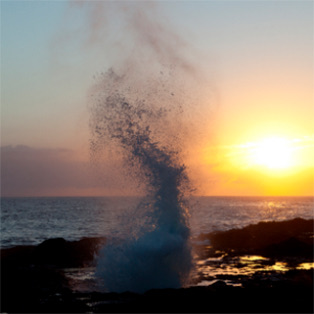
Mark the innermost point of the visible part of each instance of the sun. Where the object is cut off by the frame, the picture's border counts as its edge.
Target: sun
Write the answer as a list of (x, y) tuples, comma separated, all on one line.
[(273, 153)]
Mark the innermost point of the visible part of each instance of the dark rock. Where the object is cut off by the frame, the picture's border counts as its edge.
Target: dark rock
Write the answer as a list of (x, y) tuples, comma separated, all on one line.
[(31, 278), (211, 299), (289, 247), (17, 255), (55, 252), (25, 287), (62, 253), (253, 239), (85, 249), (219, 284)]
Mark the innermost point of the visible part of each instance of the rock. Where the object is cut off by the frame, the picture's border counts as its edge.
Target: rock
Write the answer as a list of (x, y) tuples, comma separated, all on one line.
[(17, 255), (57, 252), (219, 284), (253, 239), (31, 278), (54, 252), (287, 248)]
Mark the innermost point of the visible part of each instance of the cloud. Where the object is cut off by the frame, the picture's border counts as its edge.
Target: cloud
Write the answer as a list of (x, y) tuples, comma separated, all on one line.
[(27, 171)]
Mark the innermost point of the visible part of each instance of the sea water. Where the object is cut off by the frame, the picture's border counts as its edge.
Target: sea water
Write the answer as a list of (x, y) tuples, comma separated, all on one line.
[(31, 220)]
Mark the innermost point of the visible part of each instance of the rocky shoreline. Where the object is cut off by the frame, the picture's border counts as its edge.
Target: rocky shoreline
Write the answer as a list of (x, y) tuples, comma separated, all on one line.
[(262, 268)]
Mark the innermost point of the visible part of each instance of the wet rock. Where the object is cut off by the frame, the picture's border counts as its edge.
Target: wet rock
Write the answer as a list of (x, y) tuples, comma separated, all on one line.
[(255, 239), (25, 287), (219, 284), (216, 298), (290, 247), (53, 252), (62, 253), (32, 279), (17, 255)]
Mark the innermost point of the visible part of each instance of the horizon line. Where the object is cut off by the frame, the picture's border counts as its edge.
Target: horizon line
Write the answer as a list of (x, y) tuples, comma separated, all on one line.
[(98, 196)]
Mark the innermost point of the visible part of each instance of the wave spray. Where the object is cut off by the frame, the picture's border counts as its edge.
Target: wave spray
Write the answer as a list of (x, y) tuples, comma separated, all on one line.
[(157, 252), (145, 112)]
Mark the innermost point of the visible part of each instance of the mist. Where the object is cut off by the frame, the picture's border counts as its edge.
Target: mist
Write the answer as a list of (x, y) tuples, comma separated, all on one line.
[(146, 111)]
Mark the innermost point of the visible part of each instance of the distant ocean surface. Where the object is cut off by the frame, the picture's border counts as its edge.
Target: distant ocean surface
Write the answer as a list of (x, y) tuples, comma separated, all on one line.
[(29, 221)]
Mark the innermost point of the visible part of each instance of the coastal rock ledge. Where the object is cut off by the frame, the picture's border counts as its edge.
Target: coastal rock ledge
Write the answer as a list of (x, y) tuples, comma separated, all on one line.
[(33, 278)]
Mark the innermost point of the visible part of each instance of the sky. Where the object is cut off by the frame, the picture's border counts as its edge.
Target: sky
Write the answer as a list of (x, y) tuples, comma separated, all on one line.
[(254, 61)]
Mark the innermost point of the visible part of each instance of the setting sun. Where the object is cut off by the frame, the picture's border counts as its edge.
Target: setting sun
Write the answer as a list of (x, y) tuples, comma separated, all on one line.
[(273, 153), (273, 164)]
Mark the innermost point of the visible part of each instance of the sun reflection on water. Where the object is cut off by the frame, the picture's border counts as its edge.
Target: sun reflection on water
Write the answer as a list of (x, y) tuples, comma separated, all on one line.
[(233, 269), (306, 266)]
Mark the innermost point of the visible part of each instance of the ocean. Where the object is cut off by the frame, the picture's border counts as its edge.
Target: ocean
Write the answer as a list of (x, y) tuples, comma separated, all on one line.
[(31, 220)]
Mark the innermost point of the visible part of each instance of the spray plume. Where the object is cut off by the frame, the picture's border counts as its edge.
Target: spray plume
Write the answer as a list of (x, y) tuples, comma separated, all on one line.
[(140, 111)]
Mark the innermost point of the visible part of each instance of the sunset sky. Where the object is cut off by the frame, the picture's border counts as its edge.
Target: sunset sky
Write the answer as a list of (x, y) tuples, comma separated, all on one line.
[(257, 57)]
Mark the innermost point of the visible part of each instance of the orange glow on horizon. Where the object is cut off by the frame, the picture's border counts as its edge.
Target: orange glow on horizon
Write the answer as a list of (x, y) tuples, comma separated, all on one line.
[(269, 166)]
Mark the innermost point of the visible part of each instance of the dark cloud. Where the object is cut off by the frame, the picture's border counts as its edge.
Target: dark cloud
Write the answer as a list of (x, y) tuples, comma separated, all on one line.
[(27, 171)]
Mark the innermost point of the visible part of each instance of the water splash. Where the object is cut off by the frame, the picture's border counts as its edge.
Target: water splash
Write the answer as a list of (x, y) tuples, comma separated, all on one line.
[(157, 253)]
